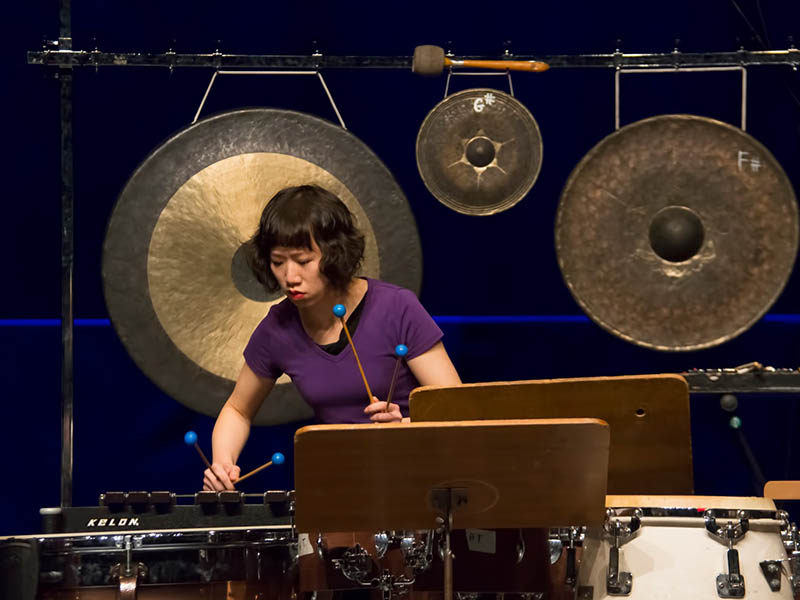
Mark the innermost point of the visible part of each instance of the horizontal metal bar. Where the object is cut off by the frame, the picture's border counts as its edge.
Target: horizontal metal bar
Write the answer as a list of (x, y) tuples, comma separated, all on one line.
[(617, 60), (215, 60), (728, 381)]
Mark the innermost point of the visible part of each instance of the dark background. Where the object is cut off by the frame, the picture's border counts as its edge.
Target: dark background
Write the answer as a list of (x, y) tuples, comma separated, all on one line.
[(128, 434)]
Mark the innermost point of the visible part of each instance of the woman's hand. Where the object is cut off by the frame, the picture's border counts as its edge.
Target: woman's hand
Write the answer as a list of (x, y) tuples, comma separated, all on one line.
[(220, 477), (378, 414)]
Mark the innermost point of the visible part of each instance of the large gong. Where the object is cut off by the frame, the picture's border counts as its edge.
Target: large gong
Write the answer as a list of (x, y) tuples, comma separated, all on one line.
[(177, 283), (677, 232)]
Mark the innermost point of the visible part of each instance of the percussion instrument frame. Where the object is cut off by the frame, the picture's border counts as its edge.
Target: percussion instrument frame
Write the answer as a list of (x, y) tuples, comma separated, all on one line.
[(60, 54)]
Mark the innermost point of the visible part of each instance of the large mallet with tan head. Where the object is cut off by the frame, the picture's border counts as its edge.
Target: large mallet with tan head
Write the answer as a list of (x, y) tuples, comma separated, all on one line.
[(431, 61)]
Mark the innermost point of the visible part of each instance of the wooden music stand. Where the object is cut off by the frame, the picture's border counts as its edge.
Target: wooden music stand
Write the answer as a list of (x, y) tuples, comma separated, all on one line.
[(509, 473), (782, 490), (651, 448), (498, 474)]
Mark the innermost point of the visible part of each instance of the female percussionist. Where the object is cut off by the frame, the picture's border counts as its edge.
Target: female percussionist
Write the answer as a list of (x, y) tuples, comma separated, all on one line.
[(308, 247)]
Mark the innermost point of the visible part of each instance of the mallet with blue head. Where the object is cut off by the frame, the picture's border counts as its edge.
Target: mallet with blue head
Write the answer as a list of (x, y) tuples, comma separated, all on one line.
[(400, 351)]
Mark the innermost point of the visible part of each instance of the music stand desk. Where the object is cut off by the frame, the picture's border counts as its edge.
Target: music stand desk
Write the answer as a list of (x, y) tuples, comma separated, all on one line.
[(651, 447), (514, 473)]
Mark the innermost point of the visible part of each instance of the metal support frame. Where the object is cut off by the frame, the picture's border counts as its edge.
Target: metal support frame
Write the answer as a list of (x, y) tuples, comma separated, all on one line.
[(617, 60), (67, 258), (619, 72)]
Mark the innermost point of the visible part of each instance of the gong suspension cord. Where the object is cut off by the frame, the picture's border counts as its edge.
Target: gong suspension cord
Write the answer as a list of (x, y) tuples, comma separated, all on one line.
[(684, 70), (317, 73)]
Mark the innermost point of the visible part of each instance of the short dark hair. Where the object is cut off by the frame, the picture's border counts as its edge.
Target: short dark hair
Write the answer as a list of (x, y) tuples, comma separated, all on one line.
[(295, 216)]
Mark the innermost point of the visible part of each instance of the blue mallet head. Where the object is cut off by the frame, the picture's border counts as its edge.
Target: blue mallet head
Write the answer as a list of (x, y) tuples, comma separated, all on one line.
[(401, 350), (339, 310), (278, 458), (190, 438)]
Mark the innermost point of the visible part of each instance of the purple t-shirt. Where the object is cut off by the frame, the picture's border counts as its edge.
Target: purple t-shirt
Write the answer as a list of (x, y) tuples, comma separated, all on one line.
[(332, 384)]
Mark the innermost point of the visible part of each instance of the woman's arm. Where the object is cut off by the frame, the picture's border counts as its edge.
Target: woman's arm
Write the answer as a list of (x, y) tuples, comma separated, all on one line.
[(233, 428), (432, 367)]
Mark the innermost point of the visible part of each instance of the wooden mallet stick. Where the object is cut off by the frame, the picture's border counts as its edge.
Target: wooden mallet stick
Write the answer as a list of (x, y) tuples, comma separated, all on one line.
[(277, 459), (339, 310)]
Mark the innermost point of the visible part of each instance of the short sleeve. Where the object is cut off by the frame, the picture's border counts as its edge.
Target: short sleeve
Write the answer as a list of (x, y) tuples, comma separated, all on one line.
[(417, 328), (257, 353)]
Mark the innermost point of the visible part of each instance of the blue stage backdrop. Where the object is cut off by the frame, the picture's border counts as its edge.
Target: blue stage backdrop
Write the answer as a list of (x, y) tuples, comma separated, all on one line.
[(129, 435)]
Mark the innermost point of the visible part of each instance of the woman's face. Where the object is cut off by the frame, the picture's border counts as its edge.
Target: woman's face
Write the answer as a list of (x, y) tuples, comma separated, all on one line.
[(297, 272)]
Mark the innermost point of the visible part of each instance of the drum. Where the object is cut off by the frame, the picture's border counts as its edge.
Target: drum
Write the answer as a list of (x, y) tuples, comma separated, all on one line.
[(257, 563), (659, 547)]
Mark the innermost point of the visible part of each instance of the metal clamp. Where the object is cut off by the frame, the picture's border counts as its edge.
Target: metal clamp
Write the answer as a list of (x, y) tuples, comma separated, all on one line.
[(730, 584), (619, 583), (418, 555), (789, 534), (389, 585), (355, 564), (574, 534), (381, 544), (128, 575), (772, 573), (791, 541), (559, 537)]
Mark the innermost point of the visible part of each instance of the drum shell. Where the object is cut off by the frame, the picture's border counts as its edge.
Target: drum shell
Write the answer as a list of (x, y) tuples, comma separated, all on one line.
[(674, 558)]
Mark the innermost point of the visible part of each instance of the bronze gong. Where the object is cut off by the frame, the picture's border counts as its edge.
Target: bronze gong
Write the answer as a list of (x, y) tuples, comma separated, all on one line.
[(175, 271), (479, 151), (677, 232)]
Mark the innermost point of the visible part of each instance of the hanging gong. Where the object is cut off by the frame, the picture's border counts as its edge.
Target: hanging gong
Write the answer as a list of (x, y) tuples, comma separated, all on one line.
[(677, 232), (177, 282), (479, 151)]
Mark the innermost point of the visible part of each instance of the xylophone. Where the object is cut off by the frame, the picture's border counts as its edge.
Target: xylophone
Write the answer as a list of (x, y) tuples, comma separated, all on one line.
[(157, 545)]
